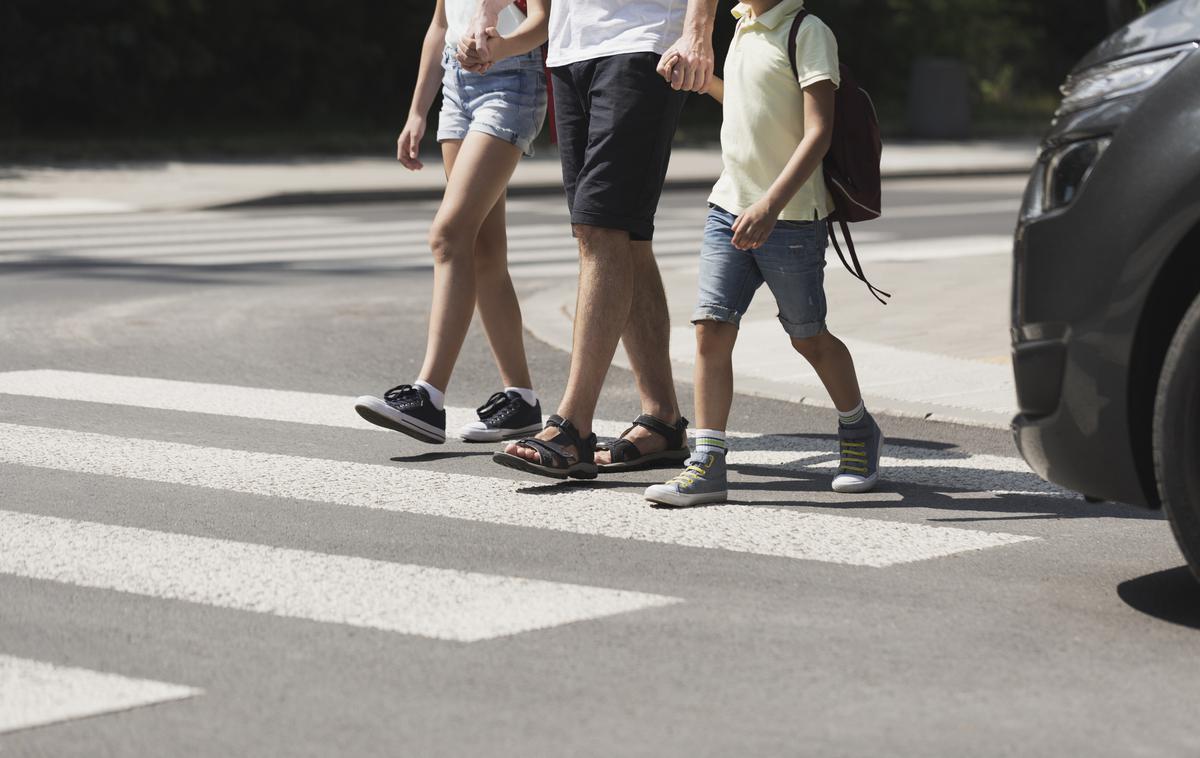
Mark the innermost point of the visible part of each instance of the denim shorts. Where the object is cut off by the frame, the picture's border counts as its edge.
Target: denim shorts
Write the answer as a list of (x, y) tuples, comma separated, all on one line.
[(791, 262), (508, 101)]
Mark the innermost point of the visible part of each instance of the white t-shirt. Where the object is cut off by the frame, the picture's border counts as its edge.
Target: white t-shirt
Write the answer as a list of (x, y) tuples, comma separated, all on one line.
[(459, 13), (584, 29)]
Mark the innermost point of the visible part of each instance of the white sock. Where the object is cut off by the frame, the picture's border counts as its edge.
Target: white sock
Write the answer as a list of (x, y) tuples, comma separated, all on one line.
[(852, 416), (436, 396), (526, 394), (709, 441)]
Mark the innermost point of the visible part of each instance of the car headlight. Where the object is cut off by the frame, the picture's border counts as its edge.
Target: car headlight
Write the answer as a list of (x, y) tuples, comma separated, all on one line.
[(1060, 174), (1121, 77)]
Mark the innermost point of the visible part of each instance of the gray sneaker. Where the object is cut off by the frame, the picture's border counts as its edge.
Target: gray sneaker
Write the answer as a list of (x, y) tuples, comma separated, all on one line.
[(861, 445), (701, 481)]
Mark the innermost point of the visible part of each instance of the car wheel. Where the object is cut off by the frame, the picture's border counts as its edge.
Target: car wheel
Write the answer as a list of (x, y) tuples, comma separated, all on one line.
[(1177, 436)]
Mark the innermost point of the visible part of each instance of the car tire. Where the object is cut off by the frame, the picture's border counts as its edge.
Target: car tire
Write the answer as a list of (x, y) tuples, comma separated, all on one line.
[(1177, 436)]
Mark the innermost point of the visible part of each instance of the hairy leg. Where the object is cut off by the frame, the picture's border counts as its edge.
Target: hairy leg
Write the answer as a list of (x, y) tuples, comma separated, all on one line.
[(647, 339), (831, 360), (496, 298), (714, 373), (481, 167), (601, 310)]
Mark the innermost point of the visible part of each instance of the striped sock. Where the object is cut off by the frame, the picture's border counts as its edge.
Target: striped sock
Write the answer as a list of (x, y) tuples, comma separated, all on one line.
[(709, 441), (852, 416)]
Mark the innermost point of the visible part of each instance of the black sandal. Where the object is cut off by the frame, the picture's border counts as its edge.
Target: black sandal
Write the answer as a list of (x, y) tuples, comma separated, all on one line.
[(627, 457), (553, 459)]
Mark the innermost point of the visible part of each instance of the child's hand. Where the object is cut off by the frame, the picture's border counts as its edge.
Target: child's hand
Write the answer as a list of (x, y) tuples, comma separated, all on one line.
[(475, 56), (409, 143), (751, 229)]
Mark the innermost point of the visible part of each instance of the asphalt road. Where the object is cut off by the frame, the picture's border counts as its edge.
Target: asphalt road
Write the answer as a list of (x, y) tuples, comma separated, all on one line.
[(253, 573)]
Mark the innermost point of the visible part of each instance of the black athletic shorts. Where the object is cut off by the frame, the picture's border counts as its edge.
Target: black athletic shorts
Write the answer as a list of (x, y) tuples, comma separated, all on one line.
[(616, 118)]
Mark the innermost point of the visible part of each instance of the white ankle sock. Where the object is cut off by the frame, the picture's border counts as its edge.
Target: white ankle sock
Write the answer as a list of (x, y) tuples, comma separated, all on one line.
[(709, 441), (436, 396), (527, 395), (852, 416)]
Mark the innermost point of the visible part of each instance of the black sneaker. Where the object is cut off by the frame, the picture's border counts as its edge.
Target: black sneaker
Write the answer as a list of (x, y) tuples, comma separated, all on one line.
[(505, 416), (406, 409)]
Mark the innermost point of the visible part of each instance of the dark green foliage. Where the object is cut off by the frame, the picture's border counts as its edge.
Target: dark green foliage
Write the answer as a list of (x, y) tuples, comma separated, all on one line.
[(149, 67)]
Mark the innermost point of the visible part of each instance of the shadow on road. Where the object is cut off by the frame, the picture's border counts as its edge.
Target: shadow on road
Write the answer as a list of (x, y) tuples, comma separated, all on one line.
[(1172, 595)]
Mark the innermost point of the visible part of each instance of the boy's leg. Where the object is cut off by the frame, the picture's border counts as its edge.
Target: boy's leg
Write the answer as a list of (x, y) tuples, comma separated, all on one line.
[(483, 165), (832, 361), (714, 373), (499, 309)]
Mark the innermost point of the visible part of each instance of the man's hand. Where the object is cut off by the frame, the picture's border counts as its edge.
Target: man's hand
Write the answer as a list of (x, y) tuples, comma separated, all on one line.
[(474, 58), (751, 229), (688, 64), (485, 19), (409, 143)]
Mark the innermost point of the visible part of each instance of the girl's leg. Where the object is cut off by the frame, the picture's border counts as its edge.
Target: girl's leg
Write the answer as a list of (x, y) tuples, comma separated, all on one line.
[(481, 168), (714, 373), (497, 300)]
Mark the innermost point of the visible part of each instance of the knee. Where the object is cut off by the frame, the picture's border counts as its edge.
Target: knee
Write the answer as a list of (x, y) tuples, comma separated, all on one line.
[(812, 348), (449, 245), (597, 239), (714, 339)]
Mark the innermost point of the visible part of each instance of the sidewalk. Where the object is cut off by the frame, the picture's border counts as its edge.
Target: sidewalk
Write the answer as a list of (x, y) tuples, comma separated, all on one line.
[(176, 186)]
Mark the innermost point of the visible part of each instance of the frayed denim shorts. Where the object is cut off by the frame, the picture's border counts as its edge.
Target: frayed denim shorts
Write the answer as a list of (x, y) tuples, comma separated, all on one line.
[(791, 262), (508, 101)]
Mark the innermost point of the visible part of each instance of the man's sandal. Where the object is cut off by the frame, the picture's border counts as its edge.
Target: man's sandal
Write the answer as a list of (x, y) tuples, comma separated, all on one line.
[(553, 459), (627, 457)]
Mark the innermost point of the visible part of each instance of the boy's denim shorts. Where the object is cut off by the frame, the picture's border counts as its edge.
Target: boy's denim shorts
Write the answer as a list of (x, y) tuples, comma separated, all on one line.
[(508, 101), (791, 262)]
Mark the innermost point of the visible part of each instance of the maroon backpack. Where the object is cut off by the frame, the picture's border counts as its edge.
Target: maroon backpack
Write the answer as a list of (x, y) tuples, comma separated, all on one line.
[(852, 163)]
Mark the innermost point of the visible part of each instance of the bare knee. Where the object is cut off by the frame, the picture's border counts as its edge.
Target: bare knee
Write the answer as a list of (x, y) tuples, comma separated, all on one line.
[(599, 240), (714, 339), (450, 244), (814, 348)]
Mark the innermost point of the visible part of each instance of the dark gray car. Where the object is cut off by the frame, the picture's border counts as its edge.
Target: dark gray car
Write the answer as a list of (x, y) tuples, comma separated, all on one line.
[(1106, 295)]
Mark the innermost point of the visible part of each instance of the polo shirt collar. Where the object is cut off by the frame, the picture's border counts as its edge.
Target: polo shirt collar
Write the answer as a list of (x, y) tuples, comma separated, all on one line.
[(773, 17)]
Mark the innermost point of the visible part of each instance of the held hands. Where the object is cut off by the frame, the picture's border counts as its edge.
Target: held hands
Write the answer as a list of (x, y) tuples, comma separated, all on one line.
[(751, 229), (409, 143), (477, 53), (688, 64)]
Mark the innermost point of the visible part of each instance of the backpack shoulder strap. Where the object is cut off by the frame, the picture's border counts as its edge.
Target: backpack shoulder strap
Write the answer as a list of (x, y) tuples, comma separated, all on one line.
[(799, 19), (856, 270)]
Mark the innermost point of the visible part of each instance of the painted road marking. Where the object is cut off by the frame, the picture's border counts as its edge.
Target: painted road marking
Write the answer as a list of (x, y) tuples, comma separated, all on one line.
[(781, 532), (35, 693), (950, 469), (444, 604)]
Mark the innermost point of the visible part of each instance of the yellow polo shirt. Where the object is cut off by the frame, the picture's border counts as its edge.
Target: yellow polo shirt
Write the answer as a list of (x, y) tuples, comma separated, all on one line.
[(764, 108)]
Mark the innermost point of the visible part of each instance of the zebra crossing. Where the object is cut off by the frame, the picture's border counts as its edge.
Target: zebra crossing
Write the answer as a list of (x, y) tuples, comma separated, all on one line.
[(540, 241), (439, 604)]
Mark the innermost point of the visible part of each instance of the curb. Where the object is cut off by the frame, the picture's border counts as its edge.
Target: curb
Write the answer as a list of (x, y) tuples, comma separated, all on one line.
[(361, 197)]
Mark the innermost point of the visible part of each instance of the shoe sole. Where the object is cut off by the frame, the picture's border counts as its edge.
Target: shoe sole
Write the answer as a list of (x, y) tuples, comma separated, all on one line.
[(576, 471), (676, 500), (867, 484), (498, 435), (660, 459), (379, 413)]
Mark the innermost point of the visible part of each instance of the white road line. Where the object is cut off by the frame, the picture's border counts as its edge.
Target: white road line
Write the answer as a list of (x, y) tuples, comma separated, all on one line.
[(35, 693), (442, 604), (161, 230), (765, 531), (33, 206), (915, 465), (952, 209), (936, 248)]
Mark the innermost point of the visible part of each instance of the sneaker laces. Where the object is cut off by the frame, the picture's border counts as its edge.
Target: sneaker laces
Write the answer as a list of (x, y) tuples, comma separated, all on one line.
[(492, 405), (854, 458), (695, 470), (402, 392)]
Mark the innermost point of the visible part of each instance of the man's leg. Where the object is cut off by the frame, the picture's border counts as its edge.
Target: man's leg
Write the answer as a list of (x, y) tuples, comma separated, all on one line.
[(647, 339), (601, 310)]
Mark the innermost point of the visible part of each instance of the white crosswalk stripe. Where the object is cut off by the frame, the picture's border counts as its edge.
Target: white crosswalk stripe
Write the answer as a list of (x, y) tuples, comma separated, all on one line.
[(222, 238), (37, 693), (438, 603)]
